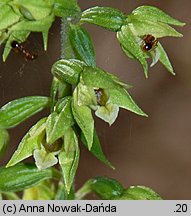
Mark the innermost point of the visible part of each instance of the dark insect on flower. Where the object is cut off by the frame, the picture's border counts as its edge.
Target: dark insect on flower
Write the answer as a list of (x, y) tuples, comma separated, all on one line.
[(102, 96), (149, 43), (18, 47)]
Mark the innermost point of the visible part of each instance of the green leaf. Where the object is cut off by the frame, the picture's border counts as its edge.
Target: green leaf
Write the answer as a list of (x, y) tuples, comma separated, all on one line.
[(82, 45), (108, 113), (17, 111), (121, 97), (29, 143), (106, 188), (38, 9), (44, 159), (139, 193), (7, 17), (98, 78), (84, 119), (69, 158), (22, 176), (67, 9), (129, 42), (19, 36), (96, 149), (68, 70), (4, 139), (164, 59), (141, 27), (58, 124), (155, 14), (106, 17)]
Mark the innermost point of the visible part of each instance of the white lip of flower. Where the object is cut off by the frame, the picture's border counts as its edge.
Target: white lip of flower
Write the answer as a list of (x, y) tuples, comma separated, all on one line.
[(44, 159)]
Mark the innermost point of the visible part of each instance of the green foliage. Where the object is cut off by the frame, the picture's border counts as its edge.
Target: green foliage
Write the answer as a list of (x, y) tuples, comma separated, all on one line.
[(139, 193), (79, 88), (106, 17), (4, 139), (110, 189), (22, 176), (82, 45), (21, 109)]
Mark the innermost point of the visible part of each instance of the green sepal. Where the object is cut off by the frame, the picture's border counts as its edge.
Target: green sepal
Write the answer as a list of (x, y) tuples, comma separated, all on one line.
[(38, 9), (34, 26), (4, 139), (68, 70), (58, 124), (140, 27), (82, 45), (96, 149), (121, 97), (45, 39), (22, 176), (98, 78), (164, 59), (17, 111), (155, 14), (106, 17), (7, 17), (19, 36), (130, 43), (139, 193), (69, 158), (30, 142), (84, 119)]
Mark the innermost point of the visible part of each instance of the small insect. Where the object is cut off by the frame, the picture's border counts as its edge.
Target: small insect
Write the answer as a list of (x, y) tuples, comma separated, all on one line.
[(18, 47), (149, 43), (102, 96)]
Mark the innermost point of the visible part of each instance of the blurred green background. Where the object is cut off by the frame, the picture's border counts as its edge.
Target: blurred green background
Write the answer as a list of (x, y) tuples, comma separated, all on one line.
[(153, 151)]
